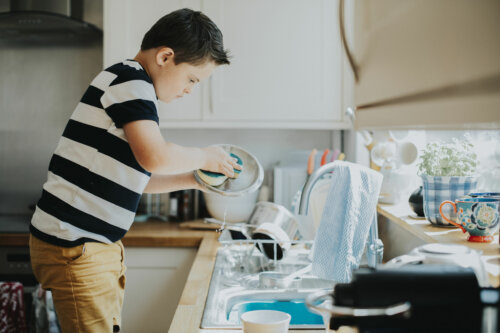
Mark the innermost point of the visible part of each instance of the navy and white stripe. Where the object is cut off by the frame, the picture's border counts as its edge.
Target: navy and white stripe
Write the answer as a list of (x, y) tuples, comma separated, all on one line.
[(94, 182)]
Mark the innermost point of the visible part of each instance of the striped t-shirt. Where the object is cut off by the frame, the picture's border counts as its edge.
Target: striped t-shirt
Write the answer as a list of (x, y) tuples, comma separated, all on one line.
[(94, 182)]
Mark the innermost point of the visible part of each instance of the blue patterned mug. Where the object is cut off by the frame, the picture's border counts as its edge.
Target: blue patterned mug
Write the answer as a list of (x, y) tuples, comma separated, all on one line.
[(491, 195), (477, 216)]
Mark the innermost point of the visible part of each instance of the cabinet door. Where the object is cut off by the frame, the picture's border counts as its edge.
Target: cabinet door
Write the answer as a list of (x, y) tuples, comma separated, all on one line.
[(404, 48), (155, 281), (125, 24), (286, 61)]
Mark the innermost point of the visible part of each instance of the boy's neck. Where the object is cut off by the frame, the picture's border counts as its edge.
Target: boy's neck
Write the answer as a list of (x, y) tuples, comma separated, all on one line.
[(141, 58)]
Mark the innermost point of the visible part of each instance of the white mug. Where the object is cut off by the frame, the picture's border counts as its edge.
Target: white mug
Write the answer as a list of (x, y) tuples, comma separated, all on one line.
[(265, 321)]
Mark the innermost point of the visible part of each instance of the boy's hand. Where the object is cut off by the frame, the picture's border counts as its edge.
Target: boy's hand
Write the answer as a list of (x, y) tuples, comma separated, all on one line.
[(218, 160)]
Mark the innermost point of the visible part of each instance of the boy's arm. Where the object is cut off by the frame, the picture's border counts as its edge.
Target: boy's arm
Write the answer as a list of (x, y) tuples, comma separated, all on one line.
[(170, 183), (160, 157)]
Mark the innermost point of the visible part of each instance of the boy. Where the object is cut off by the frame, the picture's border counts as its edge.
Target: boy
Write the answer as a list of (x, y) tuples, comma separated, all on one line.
[(111, 152)]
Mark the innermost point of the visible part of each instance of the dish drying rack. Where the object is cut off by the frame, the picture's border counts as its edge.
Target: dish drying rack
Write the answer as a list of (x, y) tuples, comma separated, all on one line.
[(245, 257)]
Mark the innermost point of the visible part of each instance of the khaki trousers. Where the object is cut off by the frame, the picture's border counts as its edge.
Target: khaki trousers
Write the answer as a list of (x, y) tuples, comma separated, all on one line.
[(87, 283)]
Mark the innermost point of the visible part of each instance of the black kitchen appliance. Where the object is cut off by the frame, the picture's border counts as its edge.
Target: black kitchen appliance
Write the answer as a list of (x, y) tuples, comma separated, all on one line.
[(413, 298)]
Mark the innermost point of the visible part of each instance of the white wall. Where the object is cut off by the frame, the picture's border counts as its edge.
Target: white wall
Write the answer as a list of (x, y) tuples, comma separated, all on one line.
[(39, 89)]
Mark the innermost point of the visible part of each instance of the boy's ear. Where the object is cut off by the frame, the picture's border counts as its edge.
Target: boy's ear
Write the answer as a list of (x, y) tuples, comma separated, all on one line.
[(164, 55)]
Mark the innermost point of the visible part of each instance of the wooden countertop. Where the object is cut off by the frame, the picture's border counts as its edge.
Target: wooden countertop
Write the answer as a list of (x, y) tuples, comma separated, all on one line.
[(152, 233), (166, 234)]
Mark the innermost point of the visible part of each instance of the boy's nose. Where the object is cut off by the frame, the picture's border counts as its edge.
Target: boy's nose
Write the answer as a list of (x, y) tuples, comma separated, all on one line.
[(187, 91)]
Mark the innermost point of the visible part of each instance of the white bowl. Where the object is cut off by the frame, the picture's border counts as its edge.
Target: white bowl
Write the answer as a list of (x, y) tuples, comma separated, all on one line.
[(236, 209), (265, 321)]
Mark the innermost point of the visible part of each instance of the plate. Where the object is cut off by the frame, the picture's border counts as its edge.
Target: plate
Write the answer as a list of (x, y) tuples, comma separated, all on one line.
[(249, 180)]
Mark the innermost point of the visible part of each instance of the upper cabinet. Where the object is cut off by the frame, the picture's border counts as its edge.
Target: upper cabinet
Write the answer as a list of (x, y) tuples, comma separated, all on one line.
[(286, 62), (426, 63)]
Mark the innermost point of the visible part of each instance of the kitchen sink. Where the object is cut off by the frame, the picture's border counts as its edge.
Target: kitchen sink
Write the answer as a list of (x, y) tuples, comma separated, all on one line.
[(235, 288)]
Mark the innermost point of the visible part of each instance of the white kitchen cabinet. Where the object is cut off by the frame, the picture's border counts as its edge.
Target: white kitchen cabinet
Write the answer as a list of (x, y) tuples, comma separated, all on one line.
[(286, 68), (426, 63), (286, 64), (155, 279)]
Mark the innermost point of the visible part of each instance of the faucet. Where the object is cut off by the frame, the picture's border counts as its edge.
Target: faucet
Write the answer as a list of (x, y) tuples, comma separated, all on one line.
[(375, 249)]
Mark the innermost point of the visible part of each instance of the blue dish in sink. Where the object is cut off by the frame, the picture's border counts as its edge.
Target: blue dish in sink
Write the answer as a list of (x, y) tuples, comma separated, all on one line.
[(301, 315)]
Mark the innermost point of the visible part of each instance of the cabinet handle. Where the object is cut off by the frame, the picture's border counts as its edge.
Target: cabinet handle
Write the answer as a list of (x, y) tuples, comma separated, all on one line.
[(351, 113), (347, 49)]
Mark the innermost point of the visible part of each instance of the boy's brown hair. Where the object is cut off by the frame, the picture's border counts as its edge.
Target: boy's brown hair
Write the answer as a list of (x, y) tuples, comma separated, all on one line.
[(191, 34)]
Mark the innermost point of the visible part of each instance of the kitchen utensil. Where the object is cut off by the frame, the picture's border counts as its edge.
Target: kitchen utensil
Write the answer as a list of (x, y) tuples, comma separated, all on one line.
[(275, 223), (477, 216), (310, 162), (279, 280), (265, 321), (248, 181), (335, 154), (324, 156), (229, 208)]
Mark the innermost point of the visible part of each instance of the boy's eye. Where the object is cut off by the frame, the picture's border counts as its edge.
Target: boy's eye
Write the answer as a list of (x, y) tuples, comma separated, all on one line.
[(191, 81)]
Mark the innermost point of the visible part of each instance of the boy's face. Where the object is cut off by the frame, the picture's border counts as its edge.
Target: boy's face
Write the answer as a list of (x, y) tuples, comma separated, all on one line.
[(172, 81)]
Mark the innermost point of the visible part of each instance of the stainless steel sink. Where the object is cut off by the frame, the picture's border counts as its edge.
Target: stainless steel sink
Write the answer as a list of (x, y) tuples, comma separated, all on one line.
[(235, 288)]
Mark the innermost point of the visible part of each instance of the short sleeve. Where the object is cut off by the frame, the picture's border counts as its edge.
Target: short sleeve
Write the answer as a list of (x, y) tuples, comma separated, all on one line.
[(127, 101)]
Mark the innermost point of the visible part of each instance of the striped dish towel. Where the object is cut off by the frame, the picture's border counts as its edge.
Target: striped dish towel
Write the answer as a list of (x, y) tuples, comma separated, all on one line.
[(12, 316)]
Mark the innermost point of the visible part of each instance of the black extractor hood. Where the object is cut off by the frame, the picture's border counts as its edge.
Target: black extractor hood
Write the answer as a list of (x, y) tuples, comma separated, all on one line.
[(46, 22)]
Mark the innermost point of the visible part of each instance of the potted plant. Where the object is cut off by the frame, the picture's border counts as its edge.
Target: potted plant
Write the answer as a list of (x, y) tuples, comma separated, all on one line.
[(448, 171)]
